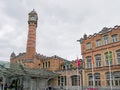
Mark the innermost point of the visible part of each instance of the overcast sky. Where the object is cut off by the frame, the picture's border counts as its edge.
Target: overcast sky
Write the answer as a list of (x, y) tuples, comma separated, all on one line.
[(61, 23)]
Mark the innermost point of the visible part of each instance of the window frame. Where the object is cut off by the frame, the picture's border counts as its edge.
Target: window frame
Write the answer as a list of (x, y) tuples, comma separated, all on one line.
[(118, 56), (106, 59), (75, 80), (88, 62), (106, 39), (88, 46), (114, 38), (98, 43), (98, 60)]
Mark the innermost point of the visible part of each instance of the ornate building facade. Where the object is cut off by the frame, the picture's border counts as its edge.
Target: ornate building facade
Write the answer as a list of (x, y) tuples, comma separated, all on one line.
[(99, 71)]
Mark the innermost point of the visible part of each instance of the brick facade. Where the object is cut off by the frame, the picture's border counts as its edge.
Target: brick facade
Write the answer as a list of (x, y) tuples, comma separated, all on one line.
[(91, 48)]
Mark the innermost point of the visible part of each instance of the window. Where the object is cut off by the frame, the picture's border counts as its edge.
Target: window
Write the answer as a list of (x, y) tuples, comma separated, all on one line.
[(106, 40), (98, 60), (43, 65), (71, 66), (88, 46), (90, 79), (118, 56), (108, 58), (114, 38), (48, 63), (97, 79), (116, 78), (62, 81), (109, 79), (88, 62), (98, 43), (75, 80)]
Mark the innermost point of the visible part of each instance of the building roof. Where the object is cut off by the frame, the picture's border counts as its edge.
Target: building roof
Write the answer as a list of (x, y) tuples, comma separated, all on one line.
[(103, 31), (19, 70)]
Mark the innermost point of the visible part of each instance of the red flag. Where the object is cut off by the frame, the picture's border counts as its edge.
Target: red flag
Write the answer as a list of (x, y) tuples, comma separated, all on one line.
[(78, 62)]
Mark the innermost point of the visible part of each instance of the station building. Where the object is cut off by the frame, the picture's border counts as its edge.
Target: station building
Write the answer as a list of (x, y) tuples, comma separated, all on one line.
[(31, 59), (94, 50), (94, 62)]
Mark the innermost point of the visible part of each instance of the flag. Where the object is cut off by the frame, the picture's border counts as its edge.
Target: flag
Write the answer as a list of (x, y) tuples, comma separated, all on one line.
[(93, 59), (78, 62), (109, 55), (66, 64)]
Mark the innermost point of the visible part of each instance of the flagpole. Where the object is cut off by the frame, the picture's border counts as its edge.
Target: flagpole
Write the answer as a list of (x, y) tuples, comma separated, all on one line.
[(78, 65), (93, 76), (110, 76), (66, 75), (93, 71), (78, 79), (109, 60), (66, 81)]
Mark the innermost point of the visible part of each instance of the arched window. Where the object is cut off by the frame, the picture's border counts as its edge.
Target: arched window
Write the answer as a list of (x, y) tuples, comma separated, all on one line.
[(98, 60), (118, 56), (75, 80), (108, 58), (88, 62)]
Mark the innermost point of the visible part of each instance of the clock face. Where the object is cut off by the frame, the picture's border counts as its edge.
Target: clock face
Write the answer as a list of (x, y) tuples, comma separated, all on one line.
[(32, 18)]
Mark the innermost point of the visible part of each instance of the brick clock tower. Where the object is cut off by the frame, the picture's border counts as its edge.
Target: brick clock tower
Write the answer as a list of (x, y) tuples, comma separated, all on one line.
[(31, 41)]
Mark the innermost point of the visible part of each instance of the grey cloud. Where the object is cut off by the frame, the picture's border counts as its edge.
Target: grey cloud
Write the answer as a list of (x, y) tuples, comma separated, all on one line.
[(61, 23)]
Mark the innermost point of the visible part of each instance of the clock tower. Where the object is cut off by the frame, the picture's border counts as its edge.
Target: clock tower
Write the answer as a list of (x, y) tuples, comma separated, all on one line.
[(31, 41)]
